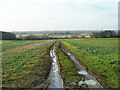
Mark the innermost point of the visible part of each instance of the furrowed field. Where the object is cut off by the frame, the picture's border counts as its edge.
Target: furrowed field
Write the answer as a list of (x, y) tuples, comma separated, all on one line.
[(25, 63), (100, 56)]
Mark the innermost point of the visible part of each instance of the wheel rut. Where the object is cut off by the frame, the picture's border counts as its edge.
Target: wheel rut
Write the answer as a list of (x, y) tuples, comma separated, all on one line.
[(54, 79), (87, 79)]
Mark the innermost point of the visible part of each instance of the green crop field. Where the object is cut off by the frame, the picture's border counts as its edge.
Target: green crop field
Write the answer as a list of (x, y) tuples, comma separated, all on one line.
[(25, 63), (99, 55)]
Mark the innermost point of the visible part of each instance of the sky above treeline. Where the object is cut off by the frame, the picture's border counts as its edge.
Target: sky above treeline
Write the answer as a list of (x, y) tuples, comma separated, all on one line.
[(34, 15)]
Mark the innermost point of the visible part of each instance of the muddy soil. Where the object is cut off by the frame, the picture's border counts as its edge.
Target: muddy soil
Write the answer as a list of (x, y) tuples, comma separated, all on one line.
[(32, 45)]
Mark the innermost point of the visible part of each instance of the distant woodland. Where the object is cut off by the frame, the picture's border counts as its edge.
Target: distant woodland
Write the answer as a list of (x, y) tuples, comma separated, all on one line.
[(8, 36), (66, 35), (106, 34)]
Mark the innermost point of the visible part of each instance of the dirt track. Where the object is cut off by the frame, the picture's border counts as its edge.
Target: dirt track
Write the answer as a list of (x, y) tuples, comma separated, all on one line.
[(32, 45), (54, 79)]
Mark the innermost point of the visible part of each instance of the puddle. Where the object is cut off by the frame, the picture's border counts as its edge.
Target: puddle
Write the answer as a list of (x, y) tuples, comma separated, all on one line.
[(69, 53), (82, 72), (90, 82), (55, 80), (81, 82)]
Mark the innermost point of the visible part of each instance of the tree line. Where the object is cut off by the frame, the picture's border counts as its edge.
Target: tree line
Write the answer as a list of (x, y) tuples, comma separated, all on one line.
[(102, 34), (106, 34)]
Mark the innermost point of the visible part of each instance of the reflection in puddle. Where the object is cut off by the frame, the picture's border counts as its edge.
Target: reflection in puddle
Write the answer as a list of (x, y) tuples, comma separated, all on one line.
[(69, 53), (81, 82), (54, 76), (82, 72), (90, 82)]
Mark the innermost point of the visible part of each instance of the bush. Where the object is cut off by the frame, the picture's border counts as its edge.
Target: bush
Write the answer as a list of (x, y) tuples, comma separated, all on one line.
[(8, 36)]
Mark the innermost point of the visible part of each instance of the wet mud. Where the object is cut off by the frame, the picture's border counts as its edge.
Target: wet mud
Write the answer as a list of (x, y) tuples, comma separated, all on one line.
[(54, 79)]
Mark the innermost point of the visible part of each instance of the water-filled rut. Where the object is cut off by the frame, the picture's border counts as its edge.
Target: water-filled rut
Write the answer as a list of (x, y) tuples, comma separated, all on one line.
[(54, 79), (87, 79), (54, 76)]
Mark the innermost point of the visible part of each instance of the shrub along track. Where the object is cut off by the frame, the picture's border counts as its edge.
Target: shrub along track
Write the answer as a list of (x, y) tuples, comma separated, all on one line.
[(26, 67)]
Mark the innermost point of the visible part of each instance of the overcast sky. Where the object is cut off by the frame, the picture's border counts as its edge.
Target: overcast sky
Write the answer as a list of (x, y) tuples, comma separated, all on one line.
[(58, 14)]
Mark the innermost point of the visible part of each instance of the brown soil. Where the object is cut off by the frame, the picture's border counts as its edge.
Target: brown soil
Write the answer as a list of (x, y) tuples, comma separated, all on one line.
[(31, 46)]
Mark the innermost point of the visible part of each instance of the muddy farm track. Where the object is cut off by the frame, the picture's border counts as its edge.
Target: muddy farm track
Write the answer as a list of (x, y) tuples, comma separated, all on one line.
[(55, 78)]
